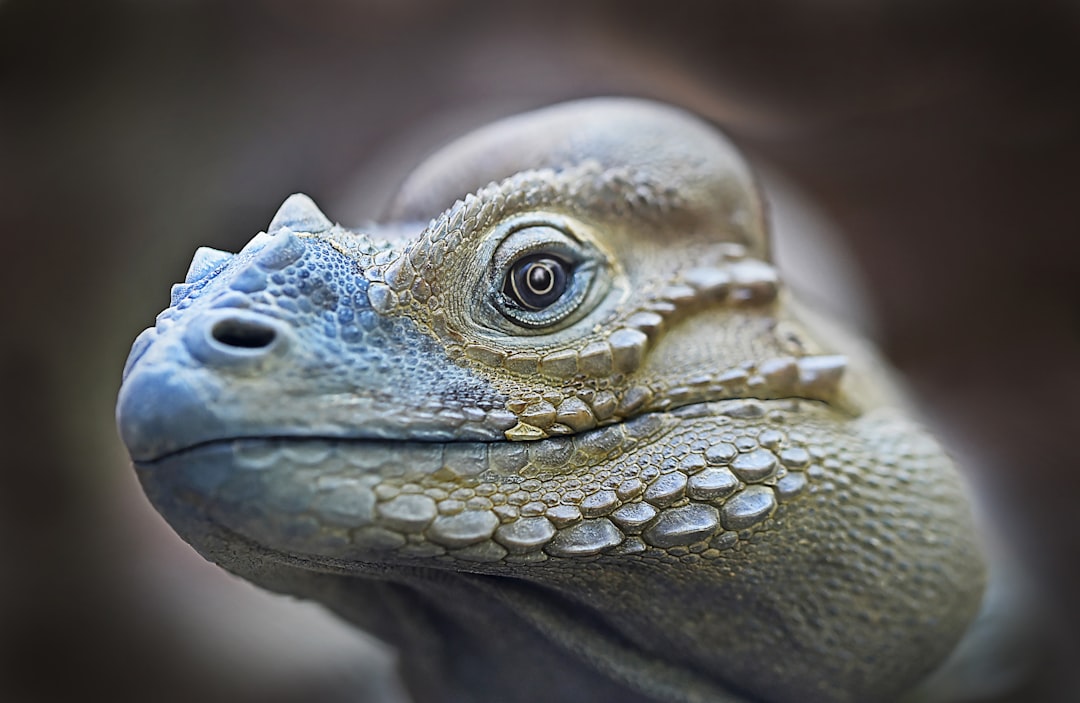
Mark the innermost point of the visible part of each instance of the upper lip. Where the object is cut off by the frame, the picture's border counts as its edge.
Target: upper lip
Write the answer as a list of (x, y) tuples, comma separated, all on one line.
[(349, 439)]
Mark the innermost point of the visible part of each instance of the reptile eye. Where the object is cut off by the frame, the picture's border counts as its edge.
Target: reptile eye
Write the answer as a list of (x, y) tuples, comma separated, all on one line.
[(536, 281), (540, 277)]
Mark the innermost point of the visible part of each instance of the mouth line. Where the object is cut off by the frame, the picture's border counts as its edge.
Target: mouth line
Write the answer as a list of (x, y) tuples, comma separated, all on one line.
[(687, 410), (305, 439)]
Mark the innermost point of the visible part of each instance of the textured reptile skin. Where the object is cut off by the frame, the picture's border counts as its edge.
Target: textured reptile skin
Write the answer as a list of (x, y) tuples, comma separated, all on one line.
[(664, 485)]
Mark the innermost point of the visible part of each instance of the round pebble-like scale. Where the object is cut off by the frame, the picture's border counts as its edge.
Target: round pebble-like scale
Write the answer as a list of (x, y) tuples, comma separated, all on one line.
[(671, 485)]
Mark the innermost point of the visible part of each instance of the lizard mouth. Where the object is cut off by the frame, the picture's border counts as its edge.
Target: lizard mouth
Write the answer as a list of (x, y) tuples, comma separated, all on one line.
[(405, 501), (488, 515), (297, 442)]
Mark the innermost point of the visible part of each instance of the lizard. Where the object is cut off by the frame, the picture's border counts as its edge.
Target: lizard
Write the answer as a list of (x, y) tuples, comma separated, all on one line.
[(556, 429)]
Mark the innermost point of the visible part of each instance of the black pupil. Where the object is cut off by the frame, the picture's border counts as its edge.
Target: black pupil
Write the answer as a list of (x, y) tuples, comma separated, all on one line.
[(540, 278), (537, 281)]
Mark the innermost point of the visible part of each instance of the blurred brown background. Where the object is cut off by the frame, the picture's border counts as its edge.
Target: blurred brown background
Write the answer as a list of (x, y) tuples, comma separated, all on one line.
[(943, 138)]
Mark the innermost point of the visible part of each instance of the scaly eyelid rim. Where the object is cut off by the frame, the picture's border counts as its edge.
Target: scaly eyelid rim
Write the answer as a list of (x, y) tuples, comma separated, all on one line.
[(506, 250), (570, 239)]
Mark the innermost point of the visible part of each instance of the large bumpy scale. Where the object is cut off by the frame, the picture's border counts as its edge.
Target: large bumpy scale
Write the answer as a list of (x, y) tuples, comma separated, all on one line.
[(671, 486)]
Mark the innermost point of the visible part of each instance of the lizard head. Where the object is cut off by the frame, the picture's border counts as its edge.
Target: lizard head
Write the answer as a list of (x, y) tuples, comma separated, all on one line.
[(581, 375)]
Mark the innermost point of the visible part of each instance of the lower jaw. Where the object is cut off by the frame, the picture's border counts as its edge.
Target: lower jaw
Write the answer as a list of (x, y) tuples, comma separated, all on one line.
[(365, 501)]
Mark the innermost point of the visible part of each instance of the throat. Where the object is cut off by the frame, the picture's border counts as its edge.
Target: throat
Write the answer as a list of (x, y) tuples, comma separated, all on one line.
[(475, 639)]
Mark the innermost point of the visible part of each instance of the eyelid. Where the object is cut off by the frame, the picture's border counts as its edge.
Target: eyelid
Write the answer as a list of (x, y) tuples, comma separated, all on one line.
[(509, 251)]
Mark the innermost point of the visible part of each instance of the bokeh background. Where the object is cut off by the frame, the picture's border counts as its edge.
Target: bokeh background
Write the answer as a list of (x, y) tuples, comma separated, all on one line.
[(941, 140)]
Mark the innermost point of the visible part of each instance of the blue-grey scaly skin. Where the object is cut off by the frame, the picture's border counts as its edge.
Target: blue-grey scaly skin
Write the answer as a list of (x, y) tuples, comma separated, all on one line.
[(662, 486)]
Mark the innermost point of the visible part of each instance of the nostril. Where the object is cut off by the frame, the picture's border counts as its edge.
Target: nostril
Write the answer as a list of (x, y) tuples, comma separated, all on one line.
[(238, 340), (242, 333)]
